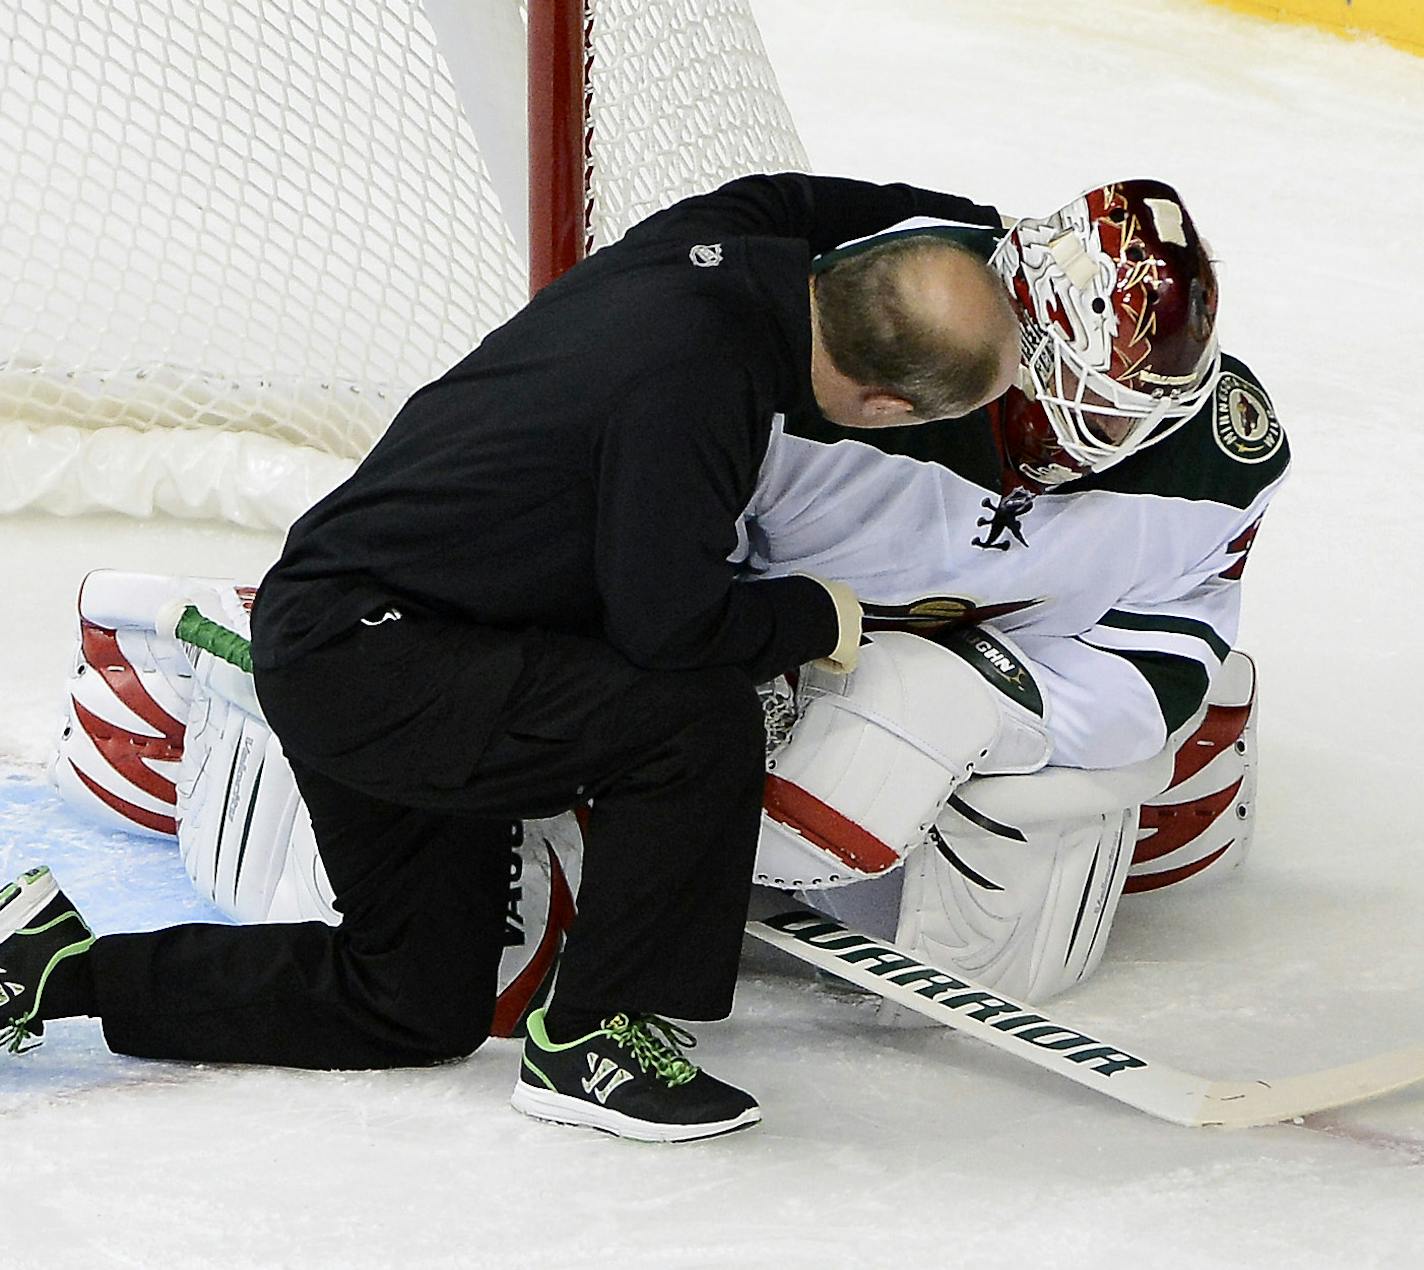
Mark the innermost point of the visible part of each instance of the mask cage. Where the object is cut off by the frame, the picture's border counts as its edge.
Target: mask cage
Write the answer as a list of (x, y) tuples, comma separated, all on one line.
[(1046, 369)]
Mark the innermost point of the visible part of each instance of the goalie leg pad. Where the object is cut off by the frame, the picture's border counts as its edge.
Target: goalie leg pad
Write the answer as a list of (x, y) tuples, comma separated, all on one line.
[(873, 755), (196, 758), (244, 833), (130, 689), (1026, 911), (545, 868), (247, 843), (1199, 828), (128, 695), (1020, 884)]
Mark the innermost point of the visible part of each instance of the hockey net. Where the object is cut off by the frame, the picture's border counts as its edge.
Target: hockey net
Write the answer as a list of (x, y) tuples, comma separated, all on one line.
[(237, 234)]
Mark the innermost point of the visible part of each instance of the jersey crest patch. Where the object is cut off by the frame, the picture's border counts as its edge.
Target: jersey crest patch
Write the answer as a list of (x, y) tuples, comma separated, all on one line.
[(1245, 424)]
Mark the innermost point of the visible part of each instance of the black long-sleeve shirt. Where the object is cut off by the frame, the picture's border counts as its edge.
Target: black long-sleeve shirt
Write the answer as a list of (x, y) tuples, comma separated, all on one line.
[(584, 468)]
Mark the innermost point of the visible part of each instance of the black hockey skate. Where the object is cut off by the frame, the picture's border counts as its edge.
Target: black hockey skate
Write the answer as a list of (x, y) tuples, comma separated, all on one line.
[(39, 928), (628, 1078)]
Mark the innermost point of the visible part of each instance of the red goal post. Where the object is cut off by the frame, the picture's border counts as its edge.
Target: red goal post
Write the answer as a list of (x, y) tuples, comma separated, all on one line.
[(237, 234), (560, 158)]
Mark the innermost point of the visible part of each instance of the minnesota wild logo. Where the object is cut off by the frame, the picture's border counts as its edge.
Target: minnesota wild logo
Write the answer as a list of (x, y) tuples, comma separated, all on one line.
[(1245, 423)]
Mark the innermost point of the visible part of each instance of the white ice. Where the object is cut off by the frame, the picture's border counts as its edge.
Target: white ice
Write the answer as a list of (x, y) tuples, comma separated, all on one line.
[(1302, 156)]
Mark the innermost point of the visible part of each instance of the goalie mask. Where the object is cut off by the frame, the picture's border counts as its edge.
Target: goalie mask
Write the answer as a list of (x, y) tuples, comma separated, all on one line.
[(1116, 299)]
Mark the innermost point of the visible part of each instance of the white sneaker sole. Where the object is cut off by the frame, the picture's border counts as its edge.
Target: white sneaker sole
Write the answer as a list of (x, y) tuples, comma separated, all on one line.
[(545, 1104), (22, 901)]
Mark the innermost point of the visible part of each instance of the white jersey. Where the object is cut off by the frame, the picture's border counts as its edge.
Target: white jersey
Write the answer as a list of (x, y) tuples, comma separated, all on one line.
[(1122, 588)]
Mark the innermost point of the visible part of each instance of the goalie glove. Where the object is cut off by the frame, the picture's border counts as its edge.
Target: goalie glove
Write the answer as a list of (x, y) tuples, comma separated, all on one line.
[(875, 754)]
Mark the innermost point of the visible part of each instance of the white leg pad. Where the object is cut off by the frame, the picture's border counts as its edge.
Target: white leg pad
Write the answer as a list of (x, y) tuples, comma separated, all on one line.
[(129, 689), (243, 831), (1020, 882), (1028, 918), (872, 757), (1198, 830), (169, 740), (544, 879)]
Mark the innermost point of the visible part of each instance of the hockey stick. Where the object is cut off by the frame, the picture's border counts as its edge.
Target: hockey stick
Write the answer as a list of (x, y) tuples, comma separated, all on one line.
[(1006, 1024), (1027, 1033)]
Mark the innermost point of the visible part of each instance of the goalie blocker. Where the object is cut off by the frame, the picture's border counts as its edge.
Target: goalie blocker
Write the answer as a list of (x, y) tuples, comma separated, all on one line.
[(161, 739), (875, 754)]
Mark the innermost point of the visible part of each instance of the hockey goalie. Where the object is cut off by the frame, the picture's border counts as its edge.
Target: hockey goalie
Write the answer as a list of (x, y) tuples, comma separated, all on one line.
[(1046, 712)]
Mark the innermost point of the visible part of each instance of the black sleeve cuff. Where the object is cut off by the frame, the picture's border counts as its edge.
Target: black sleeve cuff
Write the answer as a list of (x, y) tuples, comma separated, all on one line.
[(804, 625)]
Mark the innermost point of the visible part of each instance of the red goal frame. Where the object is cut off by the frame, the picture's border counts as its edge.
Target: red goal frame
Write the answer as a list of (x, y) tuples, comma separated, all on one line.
[(560, 211)]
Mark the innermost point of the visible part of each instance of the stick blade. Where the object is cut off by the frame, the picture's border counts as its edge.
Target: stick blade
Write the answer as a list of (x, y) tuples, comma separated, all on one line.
[(1244, 1104)]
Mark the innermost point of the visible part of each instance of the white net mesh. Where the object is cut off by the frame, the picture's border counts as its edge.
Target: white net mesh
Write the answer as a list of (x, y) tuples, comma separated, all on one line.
[(236, 234), (682, 99)]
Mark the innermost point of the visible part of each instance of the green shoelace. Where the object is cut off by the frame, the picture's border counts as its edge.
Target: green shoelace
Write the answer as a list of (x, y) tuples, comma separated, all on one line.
[(656, 1044), (13, 1038)]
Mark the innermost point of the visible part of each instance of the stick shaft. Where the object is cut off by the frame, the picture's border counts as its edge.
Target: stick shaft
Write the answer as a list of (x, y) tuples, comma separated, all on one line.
[(1030, 1034)]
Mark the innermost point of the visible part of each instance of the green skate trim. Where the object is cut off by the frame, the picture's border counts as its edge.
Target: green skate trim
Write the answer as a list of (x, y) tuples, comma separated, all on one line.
[(31, 876), (539, 1034), (549, 1084), (52, 923), (15, 1037), (212, 637), (27, 895), (536, 1032)]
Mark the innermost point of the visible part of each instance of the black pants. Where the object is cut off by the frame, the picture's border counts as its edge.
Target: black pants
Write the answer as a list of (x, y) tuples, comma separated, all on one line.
[(415, 781)]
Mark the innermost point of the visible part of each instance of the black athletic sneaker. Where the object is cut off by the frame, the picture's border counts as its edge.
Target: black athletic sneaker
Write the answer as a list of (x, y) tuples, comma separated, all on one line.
[(39, 928), (628, 1078)]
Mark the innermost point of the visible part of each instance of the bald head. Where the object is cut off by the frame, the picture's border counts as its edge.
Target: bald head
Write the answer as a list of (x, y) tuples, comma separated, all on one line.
[(918, 327)]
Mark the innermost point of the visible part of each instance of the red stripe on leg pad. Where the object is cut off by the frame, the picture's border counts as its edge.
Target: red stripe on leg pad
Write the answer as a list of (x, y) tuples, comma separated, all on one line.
[(1176, 825), (1140, 882), (825, 827), (127, 751), (138, 815), (1222, 727), (102, 652)]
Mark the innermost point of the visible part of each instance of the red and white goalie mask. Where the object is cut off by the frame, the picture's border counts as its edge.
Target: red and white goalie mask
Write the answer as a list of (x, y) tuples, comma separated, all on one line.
[(1116, 299)]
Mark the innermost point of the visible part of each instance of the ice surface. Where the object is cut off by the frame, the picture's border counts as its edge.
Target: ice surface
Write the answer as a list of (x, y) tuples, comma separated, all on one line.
[(1301, 158)]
